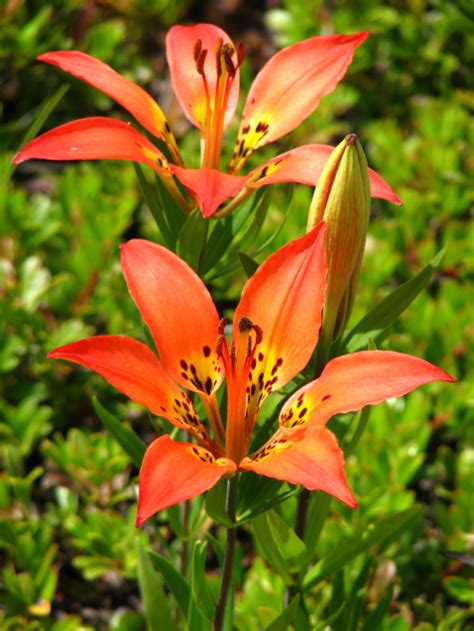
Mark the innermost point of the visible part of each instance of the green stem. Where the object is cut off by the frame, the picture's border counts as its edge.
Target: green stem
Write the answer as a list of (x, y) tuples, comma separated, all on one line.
[(231, 501)]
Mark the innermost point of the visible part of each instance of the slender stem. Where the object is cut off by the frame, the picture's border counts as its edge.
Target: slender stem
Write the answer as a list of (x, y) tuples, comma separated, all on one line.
[(231, 501)]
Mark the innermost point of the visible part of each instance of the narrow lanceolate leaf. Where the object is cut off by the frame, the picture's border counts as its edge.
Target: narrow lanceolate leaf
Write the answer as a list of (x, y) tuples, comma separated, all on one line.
[(390, 308), (126, 437), (155, 602), (153, 202), (177, 585), (191, 240), (281, 547), (386, 531), (44, 112), (94, 138), (284, 620)]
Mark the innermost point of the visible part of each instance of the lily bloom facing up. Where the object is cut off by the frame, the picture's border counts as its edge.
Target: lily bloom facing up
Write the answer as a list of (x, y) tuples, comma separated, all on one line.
[(274, 333), (204, 66)]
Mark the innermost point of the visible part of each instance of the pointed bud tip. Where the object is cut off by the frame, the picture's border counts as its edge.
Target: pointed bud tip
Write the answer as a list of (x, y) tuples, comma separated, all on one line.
[(350, 139)]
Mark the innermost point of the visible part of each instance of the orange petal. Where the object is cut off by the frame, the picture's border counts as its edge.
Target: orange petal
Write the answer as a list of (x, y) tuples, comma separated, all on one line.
[(173, 472), (290, 86), (304, 165), (101, 76), (284, 298), (311, 458), (179, 312), (350, 382), (94, 138), (132, 368), (210, 187), (187, 82)]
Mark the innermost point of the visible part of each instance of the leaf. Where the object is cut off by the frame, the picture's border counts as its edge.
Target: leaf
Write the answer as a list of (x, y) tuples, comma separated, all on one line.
[(126, 437), (46, 108), (191, 239), (200, 591), (280, 546), (386, 531), (155, 603), (250, 266), (153, 201), (390, 308), (283, 621), (180, 589), (215, 504), (326, 624), (375, 619)]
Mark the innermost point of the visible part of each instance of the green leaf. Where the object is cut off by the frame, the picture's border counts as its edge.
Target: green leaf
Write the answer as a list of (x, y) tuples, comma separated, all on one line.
[(173, 212), (180, 589), (154, 203), (155, 603), (280, 546), (126, 437), (176, 583), (322, 626), (386, 531), (46, 108), (390, 308), (199, 589), (215, 504), (250, 266), (375, 619), (192, 238), (283, 621)]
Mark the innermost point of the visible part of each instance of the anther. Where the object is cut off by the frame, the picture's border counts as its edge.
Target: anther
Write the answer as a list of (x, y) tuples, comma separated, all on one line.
[(240, 53), (200, 61), (197, 49), (222, 324), (245, 324)]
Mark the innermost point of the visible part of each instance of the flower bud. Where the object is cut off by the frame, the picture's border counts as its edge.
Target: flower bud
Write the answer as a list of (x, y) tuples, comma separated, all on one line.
[(342, 200)]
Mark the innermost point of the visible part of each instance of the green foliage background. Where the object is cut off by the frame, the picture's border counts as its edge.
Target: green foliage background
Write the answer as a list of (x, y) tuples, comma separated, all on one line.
[(68, 547)]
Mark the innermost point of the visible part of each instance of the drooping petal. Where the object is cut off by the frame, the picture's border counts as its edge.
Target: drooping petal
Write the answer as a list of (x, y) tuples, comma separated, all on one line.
[(173, 472), (94, 138), (179, 312), (101, 76), (350, 382), (210, 187), (132, 368), (304, 165), (311, 458), (284, 298), (290, 86), (187, 81)]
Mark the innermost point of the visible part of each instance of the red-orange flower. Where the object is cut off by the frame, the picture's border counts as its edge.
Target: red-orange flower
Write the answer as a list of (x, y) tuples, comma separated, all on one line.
[(274, 332), (204, 67)]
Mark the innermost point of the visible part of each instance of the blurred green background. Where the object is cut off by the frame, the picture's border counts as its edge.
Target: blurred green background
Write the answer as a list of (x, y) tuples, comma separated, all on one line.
[(67, 490)]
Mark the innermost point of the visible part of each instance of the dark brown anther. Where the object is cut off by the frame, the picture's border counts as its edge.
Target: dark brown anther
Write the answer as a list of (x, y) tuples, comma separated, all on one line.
[(245, 324), (197, 49), (219, 44), (200, 61), (240, 53), (229, 64), (222, 324), (258, 334)]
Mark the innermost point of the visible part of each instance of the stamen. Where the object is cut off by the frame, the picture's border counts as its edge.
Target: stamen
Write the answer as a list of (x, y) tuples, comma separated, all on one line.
[(240, 53), (200, 62), (219, 49), (197, 49)]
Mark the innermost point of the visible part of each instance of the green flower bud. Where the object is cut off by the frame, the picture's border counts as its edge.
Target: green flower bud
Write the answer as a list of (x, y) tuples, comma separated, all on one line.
[(342, 199)]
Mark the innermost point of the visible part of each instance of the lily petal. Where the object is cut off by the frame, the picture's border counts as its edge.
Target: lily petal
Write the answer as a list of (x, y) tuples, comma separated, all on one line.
[(134, 370), (101, 76), (311, 458), (284, 298), (210, 187), (290, 86), (304, 165), (187, 82), (172, 472), (179, 312), (350, 382), (94, 138)]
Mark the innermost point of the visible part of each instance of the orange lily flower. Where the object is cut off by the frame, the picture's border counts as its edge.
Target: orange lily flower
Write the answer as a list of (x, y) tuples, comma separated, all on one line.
[(274, 333), (204, 67)]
